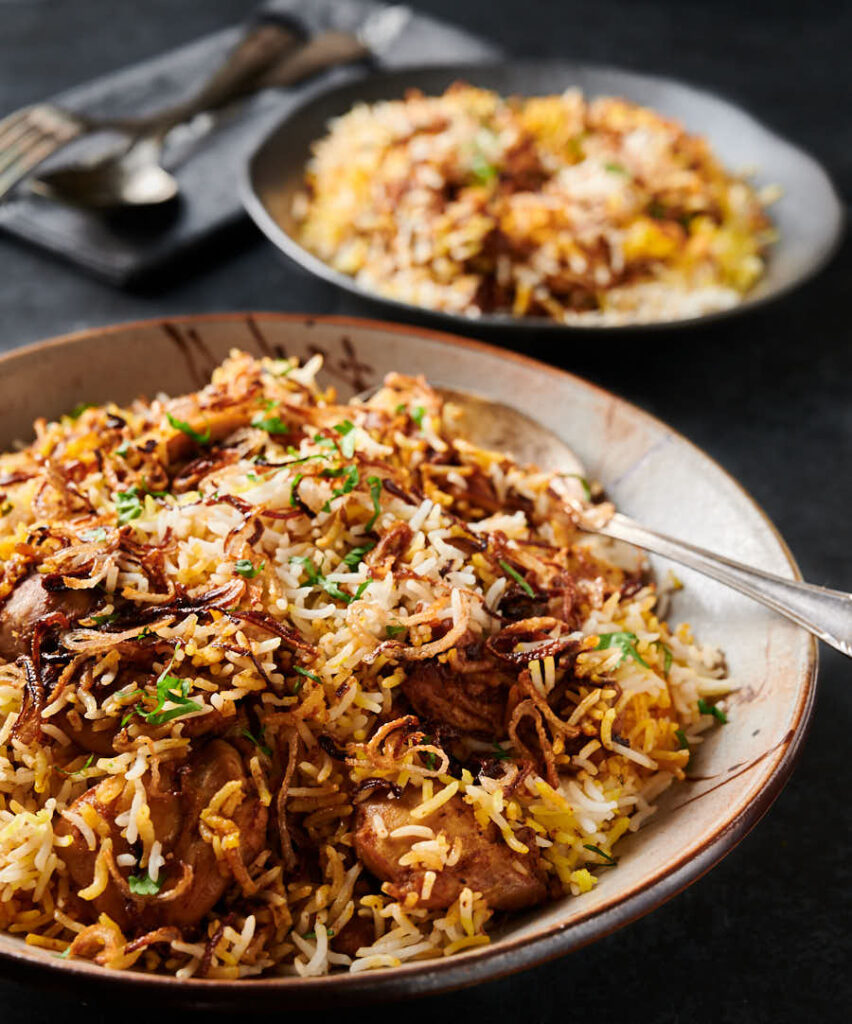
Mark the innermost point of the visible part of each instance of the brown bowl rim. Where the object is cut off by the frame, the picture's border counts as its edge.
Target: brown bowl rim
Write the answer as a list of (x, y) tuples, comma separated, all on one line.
[(488, 962)]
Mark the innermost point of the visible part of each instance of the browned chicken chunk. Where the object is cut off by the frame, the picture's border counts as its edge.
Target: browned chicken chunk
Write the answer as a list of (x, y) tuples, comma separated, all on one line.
[(467, 703), (29, 602), (175, 816), (507, 880)]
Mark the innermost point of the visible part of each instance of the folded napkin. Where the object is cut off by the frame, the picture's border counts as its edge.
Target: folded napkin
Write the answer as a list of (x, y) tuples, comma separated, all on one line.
[(127, 246)]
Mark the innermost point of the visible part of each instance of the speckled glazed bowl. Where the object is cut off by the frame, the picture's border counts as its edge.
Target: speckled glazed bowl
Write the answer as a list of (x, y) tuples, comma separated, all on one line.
[(651, 472)]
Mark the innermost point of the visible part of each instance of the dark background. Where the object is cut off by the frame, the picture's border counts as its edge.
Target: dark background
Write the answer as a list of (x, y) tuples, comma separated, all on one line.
[(765, 936)]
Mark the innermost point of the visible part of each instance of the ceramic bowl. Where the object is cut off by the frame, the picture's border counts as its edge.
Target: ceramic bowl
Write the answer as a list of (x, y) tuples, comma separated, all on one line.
[(649, 470), (809, 215)]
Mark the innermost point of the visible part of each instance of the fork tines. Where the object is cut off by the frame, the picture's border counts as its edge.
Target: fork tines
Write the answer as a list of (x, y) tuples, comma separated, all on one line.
[(31, 135)]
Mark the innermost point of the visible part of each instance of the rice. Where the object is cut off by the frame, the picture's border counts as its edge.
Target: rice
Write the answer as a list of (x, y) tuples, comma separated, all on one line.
[(581, 211), (347, 685)]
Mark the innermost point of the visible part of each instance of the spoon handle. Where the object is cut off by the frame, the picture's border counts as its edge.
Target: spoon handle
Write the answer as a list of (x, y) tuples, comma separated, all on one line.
[(823, 612)]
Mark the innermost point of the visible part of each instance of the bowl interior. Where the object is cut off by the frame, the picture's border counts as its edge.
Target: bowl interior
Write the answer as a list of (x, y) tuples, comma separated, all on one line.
[(808, 215), (650, 471)]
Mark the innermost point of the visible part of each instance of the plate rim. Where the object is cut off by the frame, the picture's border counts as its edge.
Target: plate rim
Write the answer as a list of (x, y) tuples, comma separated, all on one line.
[(486, 963), (285, 243)]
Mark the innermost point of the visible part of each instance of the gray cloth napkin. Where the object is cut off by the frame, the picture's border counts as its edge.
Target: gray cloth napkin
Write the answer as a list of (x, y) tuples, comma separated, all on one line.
[(125, 247)]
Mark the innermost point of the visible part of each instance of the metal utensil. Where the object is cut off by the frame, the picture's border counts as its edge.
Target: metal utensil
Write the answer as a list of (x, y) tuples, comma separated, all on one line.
[(30, 136), (825, 613), (270, 55)]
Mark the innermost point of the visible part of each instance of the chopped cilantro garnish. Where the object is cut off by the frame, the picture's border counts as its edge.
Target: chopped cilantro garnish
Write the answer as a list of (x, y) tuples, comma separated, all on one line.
[(611, 861), (317, 579), (668, 657), (169, 688), (313, 935), (625, 642), (79, 409), (305, 672), (483, 171), (429, 757), (247, 569), (128, 505), (350, 482), (500, 753), (260, 746), (516, 576), (392, 632), (354, 558), (103, 620), (144, 885), (98, 535), (615, 168), (190, 432), (400, 408), (375, 490), (417, 414), (711, 709), (294, 490), (123, 449), (347, 438), (81, 769), (271, 424), (584, 483)]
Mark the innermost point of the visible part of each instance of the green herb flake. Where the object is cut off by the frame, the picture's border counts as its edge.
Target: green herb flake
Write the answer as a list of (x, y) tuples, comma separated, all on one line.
[(516, 576), (392, 632), (79, 409), (483, 171), (625, 642), (350, 482), (375, 484), (81, 769), (271, 424), (128, 505), (400, 408), (584, 483), (317, 579), (104, 620), (191, 432), (361, 588), (96, 536), (615, 168), (354, 558), (346, 429), (247, 569), (169, 689), (500, 753), (711, 709), (417, 414), (294, 490), (260, 746), (144, 885), (682, 741), (306, 673), (610, 861), (123, 449), (668, 657)]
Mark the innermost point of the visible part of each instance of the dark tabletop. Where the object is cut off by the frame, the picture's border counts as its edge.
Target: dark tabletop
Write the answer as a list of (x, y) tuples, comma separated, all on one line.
[(764, 936)]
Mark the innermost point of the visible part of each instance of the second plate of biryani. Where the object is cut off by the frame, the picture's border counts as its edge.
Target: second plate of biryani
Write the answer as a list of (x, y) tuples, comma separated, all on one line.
[(299, 688), (555, 194)]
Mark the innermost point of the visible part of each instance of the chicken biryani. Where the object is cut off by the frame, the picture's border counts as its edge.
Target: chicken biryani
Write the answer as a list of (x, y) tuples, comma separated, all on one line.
[(293, 686), (581, 211)]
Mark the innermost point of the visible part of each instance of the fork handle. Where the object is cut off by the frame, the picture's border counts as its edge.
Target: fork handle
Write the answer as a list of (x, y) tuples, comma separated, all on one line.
[(263, 46), (823, 612)]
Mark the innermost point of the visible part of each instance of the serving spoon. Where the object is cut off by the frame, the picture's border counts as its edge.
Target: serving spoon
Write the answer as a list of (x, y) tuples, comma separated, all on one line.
[(489, 424)]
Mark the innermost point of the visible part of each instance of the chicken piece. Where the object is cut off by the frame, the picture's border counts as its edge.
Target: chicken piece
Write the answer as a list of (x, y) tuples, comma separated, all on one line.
[(175, 816), (468, 703), (29, 602), (507, 880)]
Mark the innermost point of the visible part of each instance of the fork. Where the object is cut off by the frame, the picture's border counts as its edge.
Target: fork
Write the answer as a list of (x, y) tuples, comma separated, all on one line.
[(31, 135)]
